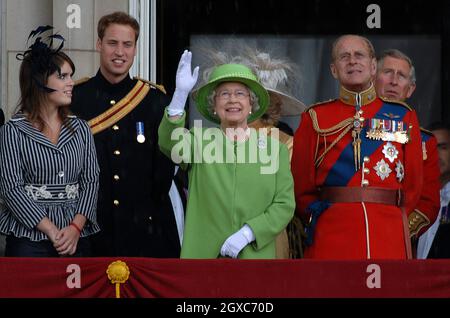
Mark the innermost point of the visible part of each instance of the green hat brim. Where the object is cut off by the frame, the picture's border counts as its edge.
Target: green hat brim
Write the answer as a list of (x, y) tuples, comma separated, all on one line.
[(204, 91)]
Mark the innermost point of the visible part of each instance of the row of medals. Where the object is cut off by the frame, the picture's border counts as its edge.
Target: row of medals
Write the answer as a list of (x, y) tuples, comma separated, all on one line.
[(380, 129)]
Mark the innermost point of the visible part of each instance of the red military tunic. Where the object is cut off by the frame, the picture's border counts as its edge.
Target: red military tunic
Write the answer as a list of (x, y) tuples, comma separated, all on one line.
[(428, 206), (356, 230)]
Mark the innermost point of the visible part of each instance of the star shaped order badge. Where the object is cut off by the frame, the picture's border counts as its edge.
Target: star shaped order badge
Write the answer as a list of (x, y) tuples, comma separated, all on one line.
[(400, 171), (382, 169), (390, 152)]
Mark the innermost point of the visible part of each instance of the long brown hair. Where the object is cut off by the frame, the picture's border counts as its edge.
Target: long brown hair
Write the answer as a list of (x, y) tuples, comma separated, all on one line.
[(33, 96)]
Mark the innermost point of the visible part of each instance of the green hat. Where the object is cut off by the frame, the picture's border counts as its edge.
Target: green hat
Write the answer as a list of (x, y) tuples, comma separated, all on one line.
[(231, 73)]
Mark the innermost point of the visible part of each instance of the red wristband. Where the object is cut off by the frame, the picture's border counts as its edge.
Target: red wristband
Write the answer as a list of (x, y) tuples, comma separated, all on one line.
[(76, 226)]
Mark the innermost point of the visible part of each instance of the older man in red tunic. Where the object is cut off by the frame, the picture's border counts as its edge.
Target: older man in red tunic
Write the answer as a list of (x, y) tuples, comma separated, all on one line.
[(357, 164), (396, 80)]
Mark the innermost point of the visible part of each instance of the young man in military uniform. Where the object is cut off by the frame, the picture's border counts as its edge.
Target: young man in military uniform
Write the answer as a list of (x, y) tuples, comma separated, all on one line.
[(355, 164), (396, 80), (134, 210)]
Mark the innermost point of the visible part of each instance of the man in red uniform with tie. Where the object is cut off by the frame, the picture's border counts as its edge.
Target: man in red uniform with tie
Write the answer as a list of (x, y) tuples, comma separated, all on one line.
[(356, 164), (396, 80)]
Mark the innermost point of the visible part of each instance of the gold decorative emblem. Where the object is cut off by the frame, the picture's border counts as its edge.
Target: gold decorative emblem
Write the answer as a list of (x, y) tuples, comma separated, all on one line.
[(118, 273), (358, 123), (391, 115)]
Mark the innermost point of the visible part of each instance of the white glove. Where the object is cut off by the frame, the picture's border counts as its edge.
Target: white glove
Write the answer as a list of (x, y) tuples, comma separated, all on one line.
[(236, 242), (185, 81)]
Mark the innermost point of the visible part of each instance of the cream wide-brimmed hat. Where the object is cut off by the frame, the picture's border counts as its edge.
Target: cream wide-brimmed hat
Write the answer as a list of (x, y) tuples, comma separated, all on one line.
[(273, 75)]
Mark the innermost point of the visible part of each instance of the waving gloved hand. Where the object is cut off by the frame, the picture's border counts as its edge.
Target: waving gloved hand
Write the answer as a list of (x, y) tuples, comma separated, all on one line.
[(185, 81), (236, 242)]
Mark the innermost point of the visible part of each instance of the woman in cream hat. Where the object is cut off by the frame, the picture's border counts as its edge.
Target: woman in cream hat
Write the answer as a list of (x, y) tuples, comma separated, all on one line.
[(238, 201), (278, 76)]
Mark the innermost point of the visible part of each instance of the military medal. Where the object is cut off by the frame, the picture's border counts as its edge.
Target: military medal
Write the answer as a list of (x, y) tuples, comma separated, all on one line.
[(140, 132), (400, 171), (356, 133), (382, 169), (387, 130), (390, 152), (401, 137)]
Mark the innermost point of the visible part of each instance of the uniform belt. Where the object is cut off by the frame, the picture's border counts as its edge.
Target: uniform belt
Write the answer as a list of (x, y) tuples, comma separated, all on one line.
[(372, 195), (357, 194)]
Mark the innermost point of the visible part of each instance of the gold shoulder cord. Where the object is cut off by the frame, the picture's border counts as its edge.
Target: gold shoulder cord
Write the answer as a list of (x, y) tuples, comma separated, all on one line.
[(120, 109), (343, 127)]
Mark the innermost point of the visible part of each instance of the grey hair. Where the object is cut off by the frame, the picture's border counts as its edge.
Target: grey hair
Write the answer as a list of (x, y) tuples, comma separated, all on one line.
[(369, 46), (254, 101), (394, 53)]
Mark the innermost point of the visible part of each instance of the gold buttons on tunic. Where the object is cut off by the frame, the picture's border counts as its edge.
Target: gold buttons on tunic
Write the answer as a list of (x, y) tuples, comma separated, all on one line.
[(116, 202), (115, 127), (116, 152), (112, 102), (116, 177)]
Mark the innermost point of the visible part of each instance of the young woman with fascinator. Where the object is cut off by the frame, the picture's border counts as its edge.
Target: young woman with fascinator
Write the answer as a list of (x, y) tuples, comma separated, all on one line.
[(48, 163)]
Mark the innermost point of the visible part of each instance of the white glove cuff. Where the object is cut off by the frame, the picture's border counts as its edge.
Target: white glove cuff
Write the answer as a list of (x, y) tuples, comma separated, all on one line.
[(248, 233), (176, 106), (175, 112)]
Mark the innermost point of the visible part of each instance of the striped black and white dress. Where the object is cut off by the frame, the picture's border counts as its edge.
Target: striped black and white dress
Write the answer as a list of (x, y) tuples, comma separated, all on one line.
[(40, 179)]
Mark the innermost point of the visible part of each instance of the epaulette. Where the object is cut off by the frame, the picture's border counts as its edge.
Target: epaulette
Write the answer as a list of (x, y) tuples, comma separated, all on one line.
[(426, 131), (160, 87), (81, 81), (393, 101), (319, 103)]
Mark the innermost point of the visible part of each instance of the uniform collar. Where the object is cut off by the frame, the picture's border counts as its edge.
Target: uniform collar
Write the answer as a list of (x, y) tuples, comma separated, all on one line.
[(349, 97), (104, 84)]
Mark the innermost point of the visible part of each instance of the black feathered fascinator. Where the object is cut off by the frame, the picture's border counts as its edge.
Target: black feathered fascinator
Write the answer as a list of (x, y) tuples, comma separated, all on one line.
[(41, 54)]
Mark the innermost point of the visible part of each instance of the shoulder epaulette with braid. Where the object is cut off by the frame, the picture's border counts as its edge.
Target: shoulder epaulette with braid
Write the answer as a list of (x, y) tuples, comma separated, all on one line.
[(319, 103), (160, 87), (393, 101), (81, 80)]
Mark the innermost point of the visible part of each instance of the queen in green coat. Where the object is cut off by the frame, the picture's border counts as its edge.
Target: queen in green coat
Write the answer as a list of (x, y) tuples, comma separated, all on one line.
[(240, 186)]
